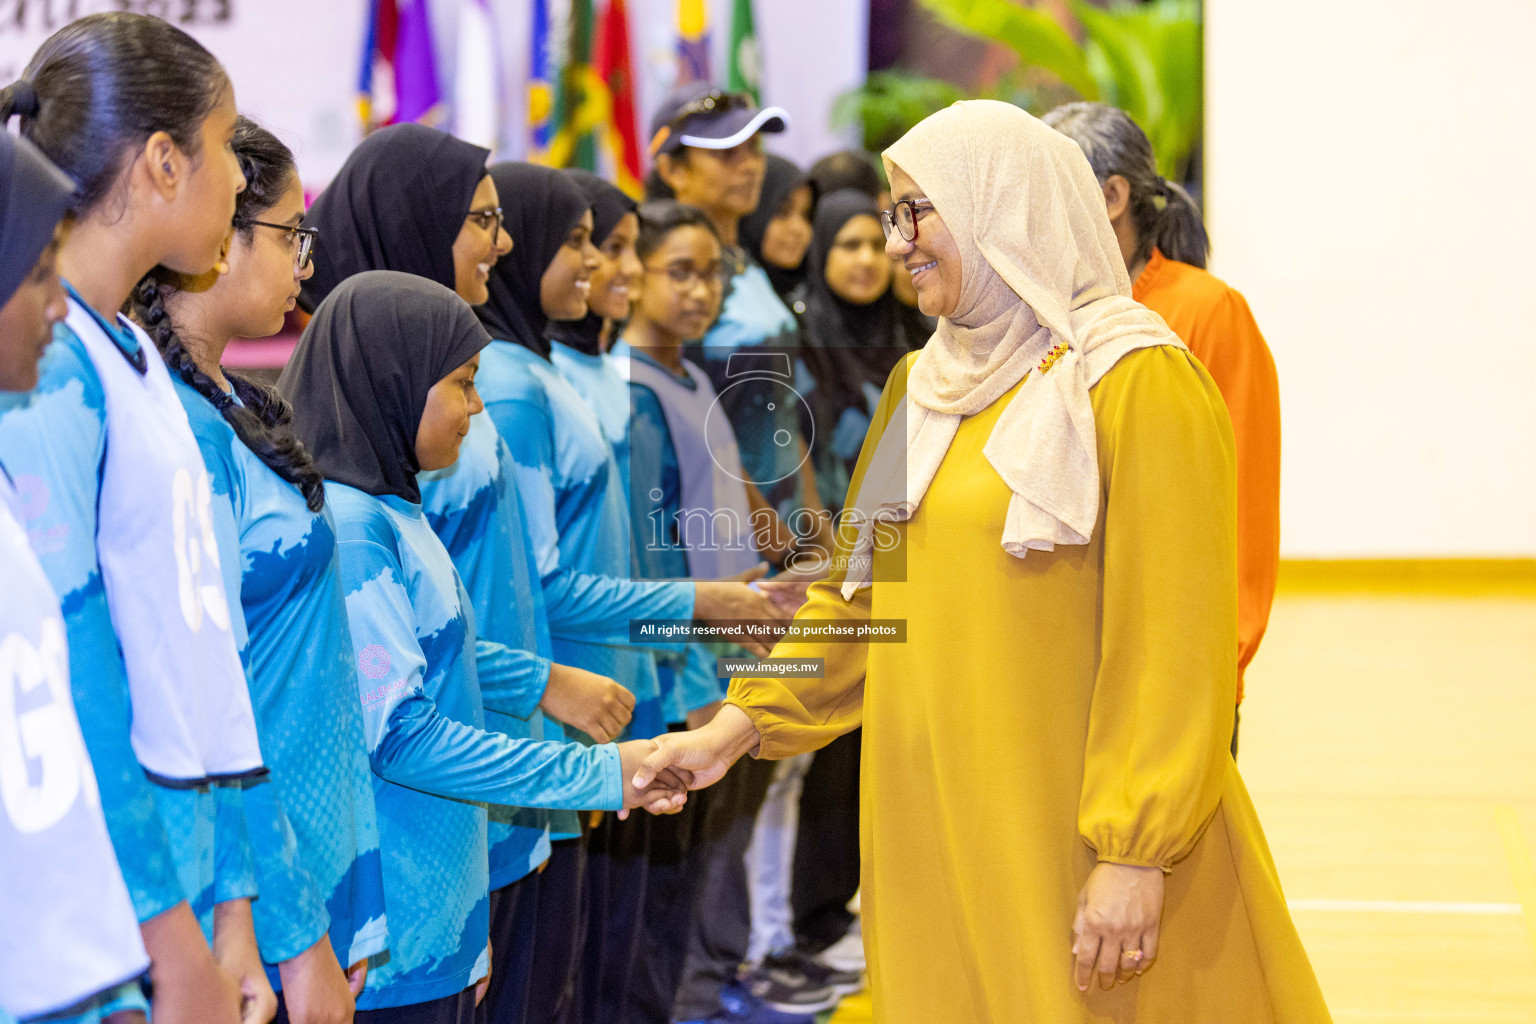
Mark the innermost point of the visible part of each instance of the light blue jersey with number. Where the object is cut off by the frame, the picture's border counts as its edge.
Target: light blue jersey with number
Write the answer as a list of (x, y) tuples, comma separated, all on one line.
[(172, 844)]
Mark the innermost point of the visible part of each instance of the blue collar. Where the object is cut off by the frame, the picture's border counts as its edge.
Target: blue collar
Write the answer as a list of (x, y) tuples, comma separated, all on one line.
[(121, 334)]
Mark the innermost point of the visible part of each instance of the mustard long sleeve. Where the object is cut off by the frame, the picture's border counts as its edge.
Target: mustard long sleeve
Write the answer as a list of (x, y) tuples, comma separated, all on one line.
[(1161, 710), (797, 715)]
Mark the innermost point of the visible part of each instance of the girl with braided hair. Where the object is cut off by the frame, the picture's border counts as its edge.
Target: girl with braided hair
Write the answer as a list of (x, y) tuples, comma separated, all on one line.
[(327, 914)]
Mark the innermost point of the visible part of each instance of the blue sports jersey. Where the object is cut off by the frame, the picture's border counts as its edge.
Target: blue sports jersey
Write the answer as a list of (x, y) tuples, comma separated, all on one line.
[(655, 495), (474, 509), (415, 648), (597, 380), (168, 841), (579, 521), (292, 618)]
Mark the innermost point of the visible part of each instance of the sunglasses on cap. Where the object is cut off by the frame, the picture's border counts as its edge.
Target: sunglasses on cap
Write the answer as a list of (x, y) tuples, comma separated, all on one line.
[(718, 101)]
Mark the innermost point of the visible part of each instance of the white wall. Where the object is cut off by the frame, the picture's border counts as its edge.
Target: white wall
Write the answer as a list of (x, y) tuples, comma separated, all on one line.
[(295, 63), (1370, 172)]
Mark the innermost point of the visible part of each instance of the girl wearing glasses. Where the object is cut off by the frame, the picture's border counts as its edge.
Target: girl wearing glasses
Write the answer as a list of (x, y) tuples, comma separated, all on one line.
[(413, 199), (325, 912), (1046, 496)]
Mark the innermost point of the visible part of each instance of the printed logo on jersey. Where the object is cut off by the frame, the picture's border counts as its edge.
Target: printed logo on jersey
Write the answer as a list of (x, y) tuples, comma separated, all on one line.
[(35, 497), (373, 661)]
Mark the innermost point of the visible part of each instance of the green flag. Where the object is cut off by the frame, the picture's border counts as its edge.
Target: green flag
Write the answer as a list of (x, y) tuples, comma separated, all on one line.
[(746, 73), (576, 109)]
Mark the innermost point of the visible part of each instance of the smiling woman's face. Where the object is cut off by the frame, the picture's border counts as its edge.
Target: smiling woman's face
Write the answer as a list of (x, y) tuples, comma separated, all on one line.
[(932, 258)]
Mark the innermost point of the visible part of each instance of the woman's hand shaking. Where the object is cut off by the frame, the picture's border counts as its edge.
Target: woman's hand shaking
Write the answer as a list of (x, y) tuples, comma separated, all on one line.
[(702, 754)]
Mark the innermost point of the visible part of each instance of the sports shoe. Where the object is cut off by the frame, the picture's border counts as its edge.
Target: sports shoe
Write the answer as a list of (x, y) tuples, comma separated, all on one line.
[(778, 985), (819, 973), (847, 953)]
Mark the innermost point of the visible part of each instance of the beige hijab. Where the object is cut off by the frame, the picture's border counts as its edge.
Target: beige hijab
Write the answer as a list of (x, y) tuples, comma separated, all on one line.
[(1044, 292)]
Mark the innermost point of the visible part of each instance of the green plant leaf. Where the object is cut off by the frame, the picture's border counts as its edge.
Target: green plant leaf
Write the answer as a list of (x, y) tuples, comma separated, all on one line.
[(1134, 86), (889, 103), (1038, 38)]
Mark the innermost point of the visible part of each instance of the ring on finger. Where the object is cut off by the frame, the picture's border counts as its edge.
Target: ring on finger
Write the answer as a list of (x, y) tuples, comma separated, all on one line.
[(1133, 955)]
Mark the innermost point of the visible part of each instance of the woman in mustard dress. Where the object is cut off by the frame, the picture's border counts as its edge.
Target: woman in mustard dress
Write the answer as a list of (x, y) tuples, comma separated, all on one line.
[(1052, 827)]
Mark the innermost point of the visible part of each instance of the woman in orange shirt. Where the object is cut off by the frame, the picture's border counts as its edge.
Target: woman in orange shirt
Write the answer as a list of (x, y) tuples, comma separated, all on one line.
[(1163, 240)]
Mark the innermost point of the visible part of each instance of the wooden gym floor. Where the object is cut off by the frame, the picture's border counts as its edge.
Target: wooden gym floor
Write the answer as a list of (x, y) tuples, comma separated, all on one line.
[(1389, 741)]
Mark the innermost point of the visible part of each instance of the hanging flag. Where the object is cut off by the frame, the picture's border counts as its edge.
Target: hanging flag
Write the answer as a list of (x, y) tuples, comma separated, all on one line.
[(476, 78), (580, 101), (746, 71), (398, 81), (376, 81), (692, 41), (547, 40), (619, 157)]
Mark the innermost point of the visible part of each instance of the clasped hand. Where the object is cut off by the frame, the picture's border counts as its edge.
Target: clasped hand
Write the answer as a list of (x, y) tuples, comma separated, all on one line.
[(662, 792)]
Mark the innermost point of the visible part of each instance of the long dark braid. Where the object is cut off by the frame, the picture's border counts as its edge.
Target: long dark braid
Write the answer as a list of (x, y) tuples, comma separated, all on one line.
[(261, 418)]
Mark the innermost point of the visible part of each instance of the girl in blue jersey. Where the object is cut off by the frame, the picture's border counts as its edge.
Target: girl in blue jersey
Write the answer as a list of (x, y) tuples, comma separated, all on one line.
[(383, 388), (141, 117), (71, 949), (399, 203), (573, 494), (329, 913)]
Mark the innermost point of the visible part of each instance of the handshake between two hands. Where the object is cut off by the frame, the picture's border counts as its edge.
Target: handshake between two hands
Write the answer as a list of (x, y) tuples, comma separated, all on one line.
[(659, 773)]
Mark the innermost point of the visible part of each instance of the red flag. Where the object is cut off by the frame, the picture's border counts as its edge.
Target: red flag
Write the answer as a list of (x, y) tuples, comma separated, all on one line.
[(611, 62)]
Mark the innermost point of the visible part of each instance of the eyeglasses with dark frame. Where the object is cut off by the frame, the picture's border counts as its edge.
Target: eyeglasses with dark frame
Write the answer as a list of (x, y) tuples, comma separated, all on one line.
[(902, 218), (685, 275), (490, 219), (307, 237)]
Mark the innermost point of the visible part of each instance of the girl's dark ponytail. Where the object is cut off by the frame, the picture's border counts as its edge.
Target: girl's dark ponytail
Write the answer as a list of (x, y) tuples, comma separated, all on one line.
[(19, 99), (261, 418), (102, 85), (1166, 216), (1179, 229)]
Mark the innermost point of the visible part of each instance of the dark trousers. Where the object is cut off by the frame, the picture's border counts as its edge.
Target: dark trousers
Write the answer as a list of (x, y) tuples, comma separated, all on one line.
[(614, 895), (722, 919), (558, 934), (826, 873), (514, 930), (669, 906), (455, 1009)]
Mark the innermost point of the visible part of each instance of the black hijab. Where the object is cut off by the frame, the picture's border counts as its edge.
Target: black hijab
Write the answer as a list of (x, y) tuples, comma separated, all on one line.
[(34, 194), (359, 378), (397, 204), (780, 179), (609, 205), (542, 206), (848, 345)]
